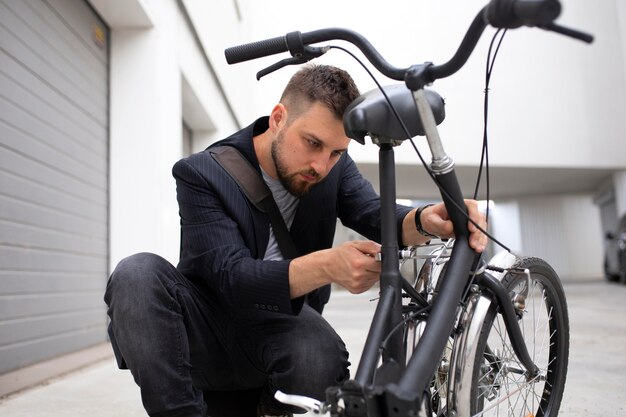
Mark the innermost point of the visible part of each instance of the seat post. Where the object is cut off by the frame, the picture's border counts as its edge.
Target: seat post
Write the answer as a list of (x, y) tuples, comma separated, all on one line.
[(389, 309)]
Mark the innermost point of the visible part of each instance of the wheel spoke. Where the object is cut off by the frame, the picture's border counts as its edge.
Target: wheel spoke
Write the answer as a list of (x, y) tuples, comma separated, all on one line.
[(504, 398)]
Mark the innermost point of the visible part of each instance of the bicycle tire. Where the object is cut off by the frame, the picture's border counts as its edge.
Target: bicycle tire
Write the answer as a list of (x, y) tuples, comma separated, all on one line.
[(492, 380)]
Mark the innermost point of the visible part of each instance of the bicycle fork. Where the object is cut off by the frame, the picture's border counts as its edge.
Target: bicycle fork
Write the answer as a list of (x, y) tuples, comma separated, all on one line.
[(442, 168)]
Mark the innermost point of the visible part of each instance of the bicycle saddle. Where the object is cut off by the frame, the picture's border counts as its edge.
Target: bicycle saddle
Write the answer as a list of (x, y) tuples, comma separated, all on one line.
[(370, 114)]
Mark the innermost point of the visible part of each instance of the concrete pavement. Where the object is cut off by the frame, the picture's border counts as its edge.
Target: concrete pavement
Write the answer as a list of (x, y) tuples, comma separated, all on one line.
[(595, 385)]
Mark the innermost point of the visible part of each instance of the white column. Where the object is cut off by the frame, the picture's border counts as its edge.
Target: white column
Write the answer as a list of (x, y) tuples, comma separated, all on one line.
[(145, 141)]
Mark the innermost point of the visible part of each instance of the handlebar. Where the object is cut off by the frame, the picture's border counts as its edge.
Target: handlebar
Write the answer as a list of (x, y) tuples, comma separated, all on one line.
[(498, 13), (291, 43)]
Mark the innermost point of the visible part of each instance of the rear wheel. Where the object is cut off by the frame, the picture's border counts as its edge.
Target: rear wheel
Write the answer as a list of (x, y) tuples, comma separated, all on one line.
[(495, 383)]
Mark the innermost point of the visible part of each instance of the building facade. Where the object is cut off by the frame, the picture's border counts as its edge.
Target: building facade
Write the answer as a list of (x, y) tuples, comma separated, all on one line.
[(101, 97)]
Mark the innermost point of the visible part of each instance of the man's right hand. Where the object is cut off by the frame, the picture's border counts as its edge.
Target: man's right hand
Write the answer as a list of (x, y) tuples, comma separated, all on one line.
[(352, 265)]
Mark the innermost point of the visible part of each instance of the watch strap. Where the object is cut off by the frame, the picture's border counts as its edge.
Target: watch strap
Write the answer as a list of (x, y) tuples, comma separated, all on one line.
[(418, 222)]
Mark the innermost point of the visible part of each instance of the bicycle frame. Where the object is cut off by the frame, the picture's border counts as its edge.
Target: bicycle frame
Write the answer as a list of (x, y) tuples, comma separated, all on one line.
[(403, 396), (394, 389), (400, 391)]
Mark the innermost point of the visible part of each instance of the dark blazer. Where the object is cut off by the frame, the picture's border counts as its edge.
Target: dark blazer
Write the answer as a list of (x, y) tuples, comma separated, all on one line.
[(224, 237)]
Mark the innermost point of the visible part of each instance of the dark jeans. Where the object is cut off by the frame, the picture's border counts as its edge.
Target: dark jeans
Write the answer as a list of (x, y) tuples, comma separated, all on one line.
[(187, 354)]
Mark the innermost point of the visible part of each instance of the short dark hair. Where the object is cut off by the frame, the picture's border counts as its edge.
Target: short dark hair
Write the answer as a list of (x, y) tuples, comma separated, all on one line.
[(331, 86)]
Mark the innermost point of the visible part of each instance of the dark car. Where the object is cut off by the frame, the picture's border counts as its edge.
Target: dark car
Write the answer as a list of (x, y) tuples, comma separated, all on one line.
[(615, 256)]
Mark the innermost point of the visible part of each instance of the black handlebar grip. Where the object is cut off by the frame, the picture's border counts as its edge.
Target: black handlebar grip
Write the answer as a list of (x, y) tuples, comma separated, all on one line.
[(255, 50), (515, 13), (537, 12)]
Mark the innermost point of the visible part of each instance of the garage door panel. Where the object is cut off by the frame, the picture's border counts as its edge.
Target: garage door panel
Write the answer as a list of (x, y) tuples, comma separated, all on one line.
[(42, 44), (22, 282), (52, 136), (53, 196), (51, 117), (82, 46), (40, 59), (57, 44), (22, 354), (25, 259), (53, 179), (32, 328), (19, 146), (42, 171), (24, 212), (81, 20), (15, 307), (29, 236), (20, 80)]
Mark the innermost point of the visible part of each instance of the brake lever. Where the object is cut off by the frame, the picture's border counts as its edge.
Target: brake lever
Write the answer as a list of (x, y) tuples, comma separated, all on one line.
[(307, 53), (572, 33), (278, 65)]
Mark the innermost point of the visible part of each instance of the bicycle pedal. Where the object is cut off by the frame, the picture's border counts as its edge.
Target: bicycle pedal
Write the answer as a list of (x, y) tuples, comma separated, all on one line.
[(309, 404)]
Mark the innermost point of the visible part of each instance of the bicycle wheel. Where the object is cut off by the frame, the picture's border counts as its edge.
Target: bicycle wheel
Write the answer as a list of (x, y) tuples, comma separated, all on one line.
[(493, 382)]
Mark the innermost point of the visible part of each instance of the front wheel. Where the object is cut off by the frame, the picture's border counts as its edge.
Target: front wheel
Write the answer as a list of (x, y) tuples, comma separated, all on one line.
[(492, 381)]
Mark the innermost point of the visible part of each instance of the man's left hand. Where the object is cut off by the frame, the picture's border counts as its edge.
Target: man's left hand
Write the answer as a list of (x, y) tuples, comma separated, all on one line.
[(435, 220)]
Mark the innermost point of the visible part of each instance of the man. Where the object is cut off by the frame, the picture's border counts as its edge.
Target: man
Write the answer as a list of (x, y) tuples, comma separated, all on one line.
[(235, 315)]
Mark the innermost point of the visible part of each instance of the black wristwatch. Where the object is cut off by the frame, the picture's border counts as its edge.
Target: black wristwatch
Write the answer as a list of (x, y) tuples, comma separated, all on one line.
[(418, 222)]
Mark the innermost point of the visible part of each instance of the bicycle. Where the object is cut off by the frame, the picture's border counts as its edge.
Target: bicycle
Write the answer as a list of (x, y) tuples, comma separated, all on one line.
[(475, 337)]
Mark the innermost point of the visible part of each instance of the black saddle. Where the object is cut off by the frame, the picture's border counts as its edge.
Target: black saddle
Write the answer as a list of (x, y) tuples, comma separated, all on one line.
[(370, 114)]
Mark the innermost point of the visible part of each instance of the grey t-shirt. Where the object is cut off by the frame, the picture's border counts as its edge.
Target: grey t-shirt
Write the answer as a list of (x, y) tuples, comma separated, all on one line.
[(287, 205)]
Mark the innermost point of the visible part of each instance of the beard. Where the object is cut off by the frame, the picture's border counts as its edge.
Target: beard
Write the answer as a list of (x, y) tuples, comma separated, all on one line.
[(291, 181)]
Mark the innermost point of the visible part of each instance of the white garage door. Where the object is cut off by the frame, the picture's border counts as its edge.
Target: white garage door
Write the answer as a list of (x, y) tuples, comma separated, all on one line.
[(53, 179)]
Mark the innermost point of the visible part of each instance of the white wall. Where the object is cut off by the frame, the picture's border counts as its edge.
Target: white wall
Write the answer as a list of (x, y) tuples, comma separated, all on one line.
[(549, 93), (154, 68), (218, 25), (563, 230), (574, 116)]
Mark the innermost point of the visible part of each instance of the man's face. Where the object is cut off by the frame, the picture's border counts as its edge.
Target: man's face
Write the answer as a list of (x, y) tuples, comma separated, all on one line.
[(305, 149)]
